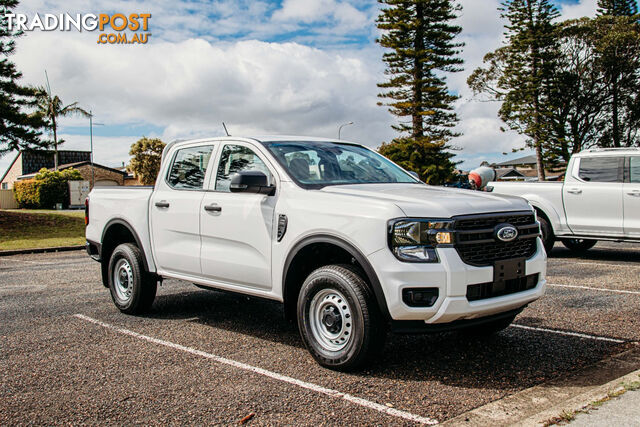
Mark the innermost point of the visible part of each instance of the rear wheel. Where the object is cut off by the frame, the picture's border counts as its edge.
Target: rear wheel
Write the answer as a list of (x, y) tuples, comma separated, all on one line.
[(132, 289), (579, 245), (338, 318)]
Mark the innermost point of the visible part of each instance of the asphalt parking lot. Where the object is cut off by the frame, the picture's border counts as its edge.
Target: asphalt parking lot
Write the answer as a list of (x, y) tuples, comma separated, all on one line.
[(67, 356)]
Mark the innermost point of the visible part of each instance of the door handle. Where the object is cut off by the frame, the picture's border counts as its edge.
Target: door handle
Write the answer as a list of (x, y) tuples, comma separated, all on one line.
[(574, 191), (634, 193), (162, 204), (213, 208)]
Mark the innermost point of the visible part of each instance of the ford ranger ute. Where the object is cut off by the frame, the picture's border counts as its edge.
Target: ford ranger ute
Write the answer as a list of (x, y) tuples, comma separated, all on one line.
[(598, 200), (351, 244)]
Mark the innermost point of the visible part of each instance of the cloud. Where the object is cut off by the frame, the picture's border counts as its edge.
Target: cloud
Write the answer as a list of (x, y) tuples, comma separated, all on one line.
[(299, 67)]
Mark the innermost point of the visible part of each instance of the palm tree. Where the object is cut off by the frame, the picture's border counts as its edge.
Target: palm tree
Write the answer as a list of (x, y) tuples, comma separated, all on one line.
[(50, 108)]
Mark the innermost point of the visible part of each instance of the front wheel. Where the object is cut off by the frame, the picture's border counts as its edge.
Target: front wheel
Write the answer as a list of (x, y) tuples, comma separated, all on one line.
[(338, 318), (548, 238), (579, 245), (132, 289)]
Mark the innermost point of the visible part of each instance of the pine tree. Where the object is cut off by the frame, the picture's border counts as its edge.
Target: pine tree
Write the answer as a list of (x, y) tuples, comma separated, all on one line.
[(422, 50), (521, 73), (618, 57), (18, 129), (617, 7)]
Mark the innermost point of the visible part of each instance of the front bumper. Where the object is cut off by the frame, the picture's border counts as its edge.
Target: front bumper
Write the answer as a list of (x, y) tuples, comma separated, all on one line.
[(451, 276)]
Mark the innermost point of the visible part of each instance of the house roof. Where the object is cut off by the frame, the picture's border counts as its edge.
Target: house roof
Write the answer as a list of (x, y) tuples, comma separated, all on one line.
[(525, 160), (500, 173), (76, 165)]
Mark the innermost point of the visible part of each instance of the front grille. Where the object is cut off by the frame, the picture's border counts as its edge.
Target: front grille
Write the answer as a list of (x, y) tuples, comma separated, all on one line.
[(491, 289), (476, 242)]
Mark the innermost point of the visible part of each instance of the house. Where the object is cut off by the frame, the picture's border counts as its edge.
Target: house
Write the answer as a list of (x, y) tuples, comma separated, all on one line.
[(525, 168), (28, 162)]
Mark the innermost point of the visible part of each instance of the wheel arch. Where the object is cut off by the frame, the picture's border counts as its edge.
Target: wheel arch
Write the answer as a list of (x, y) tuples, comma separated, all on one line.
[(293, 276), (116, 232)]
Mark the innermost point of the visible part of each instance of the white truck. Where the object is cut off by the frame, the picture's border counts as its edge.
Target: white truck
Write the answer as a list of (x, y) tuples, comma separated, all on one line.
[(598, 200), (349, 242)]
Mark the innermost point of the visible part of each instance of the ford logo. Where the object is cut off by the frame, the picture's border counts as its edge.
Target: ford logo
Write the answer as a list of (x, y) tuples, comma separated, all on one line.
[(506, 233)]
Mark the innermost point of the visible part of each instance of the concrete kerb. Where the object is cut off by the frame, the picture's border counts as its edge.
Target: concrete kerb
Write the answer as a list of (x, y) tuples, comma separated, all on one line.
[(41, 250), (536, 405)]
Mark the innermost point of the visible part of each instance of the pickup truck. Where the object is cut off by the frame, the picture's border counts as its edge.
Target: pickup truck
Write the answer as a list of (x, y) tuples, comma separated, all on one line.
[(598, 200), (352, 244)]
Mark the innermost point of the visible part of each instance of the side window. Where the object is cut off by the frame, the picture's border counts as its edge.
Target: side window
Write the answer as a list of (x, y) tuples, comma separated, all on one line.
[(634, 170), (189, 167), (600, 169), (236, 158)]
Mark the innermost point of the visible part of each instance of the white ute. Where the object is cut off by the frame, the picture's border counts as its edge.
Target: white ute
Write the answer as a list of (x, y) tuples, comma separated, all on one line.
[(599, 199), (349, 242)]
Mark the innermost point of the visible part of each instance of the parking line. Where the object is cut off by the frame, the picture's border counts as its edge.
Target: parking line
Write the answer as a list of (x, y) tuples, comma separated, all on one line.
[(618, 291), (303, 384), (603, 264), (571, 334)]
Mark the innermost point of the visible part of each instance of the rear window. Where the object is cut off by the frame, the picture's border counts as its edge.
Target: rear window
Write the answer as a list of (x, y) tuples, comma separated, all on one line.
[(634, 172), (601, 169), (189, 168)]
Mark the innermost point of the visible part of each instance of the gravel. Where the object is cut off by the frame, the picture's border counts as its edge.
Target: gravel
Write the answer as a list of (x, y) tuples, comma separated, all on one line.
[(57, 369)]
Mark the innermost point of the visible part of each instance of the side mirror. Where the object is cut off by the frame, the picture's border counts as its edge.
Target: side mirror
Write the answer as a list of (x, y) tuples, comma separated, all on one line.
[(251, 182), (414, 174)]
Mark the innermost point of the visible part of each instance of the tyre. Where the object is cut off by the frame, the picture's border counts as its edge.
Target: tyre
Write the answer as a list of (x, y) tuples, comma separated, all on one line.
[(548, 238), (132, 289), (579, 245), (489, 328), (338, 318)]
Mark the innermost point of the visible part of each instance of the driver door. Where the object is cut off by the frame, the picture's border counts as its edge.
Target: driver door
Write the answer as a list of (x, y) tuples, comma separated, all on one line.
[(237, 228)]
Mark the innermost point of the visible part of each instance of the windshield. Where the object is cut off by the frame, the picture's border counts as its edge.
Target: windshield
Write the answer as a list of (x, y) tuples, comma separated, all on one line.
[(318, 164)]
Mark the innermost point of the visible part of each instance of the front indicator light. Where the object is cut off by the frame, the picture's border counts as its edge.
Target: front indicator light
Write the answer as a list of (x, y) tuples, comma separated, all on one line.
[(443, 238), (416, 254)]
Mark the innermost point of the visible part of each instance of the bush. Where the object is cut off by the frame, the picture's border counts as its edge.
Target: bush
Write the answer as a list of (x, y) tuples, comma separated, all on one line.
[(46, 189), (27, 194)]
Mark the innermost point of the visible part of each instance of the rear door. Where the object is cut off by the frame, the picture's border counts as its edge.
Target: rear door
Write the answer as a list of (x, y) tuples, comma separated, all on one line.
[(237, 228), (593, 197), (631, 197), (175, 209)]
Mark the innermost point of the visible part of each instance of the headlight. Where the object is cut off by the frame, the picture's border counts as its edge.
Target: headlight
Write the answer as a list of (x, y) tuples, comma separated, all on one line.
[(415, 240)]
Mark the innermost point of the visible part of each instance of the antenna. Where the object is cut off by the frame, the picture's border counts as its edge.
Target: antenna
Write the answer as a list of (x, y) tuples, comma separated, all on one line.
[(225, 129), (48, 86)]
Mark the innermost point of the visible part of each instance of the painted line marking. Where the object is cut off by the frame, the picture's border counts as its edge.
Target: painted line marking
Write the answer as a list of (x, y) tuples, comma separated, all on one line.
[(571, 334), (618, 291), (602, 264), (303, 384)]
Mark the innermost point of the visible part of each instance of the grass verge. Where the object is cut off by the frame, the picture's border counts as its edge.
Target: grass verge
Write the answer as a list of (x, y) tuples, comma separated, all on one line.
[(31, 229)]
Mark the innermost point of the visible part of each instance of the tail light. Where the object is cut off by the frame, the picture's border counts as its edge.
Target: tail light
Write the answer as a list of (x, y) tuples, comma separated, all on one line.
[(86, 211)]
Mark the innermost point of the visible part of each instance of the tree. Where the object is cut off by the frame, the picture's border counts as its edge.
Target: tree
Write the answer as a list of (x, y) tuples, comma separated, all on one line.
[(521, 73), (422, 50), (424, 157), (618, 51), (617, 7), (145, 163), (50, 107), (18, 129)]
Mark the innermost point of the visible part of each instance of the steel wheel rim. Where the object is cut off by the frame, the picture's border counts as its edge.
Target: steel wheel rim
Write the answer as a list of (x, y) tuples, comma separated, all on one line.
[(331, 320), (123, 279)]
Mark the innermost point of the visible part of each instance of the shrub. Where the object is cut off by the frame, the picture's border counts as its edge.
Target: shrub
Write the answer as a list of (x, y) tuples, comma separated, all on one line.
[(27, 194), (46, 189)]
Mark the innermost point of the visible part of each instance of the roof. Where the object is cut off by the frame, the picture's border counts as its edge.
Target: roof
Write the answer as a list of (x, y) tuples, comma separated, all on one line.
[(500, 173), (75, 165), (525, 160), (597, 152)]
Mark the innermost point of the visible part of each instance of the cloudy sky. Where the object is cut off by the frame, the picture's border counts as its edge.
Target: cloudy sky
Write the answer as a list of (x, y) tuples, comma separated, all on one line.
[(300, 67)]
